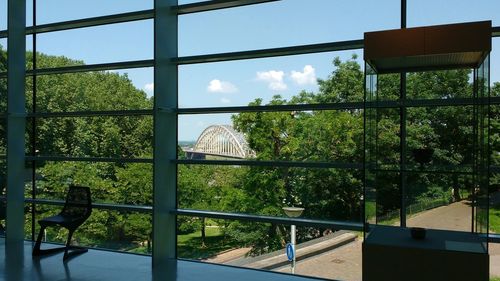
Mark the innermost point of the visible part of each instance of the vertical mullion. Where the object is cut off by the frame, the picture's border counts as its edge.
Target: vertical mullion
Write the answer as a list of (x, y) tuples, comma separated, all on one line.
[(33, 127), (165, 133), (402, 128), (16, 119), (475, 148)]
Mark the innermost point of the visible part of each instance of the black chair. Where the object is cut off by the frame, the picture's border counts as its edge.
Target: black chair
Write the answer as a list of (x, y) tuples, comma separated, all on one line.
[(76, 210)]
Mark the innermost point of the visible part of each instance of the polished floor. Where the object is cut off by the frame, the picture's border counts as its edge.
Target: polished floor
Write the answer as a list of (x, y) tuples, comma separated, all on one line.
[(17, 264)]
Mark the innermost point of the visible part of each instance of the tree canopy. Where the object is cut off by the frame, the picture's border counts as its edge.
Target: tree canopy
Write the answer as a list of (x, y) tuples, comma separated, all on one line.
[(331, 136)]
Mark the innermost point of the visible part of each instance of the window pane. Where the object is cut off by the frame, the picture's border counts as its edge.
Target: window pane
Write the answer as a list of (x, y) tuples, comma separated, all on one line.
[(49, 11), (95, 136), (101, 44), (495, 62), (3, 95), (431, 12), (112, 183), (94, 91), (450, 193), (329, 194), (3, 54), (283, 23), (29, 12), (429, 128), (3, 14), (262, 246), (3, 137), (449, 84), (114, 230), (29, 52), (304, 136), (239, 83)]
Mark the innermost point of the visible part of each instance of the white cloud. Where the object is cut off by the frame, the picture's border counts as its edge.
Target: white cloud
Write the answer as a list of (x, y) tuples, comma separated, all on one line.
[(218, 86), (307, 76), (273, 78), (150, 87), (225, 100)]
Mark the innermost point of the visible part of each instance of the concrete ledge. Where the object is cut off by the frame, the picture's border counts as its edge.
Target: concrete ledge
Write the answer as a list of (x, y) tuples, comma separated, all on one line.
[(304, 250)]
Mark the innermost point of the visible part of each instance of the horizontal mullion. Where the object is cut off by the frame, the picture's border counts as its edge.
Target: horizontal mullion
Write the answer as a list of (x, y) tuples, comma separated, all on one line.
[(148, 14), (91, 67), (495, 31), (494, 238), (88, 159), (139, 112), (432, 102), (273, 108), (87, 68), (87, 22), (339, 106), (337, 225), (494, 169), (297, 164), (494, 100), (273, 52), (103, 206), (215, 5)]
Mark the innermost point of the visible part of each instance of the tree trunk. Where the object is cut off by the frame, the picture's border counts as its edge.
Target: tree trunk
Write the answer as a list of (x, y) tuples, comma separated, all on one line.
[(203, 233), (456, 190)]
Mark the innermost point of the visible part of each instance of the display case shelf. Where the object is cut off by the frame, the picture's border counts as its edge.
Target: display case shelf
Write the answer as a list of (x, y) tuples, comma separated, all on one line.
[(427, 157)]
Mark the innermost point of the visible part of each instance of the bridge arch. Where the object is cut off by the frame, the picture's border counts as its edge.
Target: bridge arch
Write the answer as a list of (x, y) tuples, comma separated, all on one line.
[(223, 140)]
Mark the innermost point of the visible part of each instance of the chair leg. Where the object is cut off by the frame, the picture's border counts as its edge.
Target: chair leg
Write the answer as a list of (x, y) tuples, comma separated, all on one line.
[(39, 252), (38, 243), (68, 243), (72, 251)]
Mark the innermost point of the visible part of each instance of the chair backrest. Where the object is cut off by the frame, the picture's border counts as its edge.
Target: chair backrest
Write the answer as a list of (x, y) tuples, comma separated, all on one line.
[(78, 203)]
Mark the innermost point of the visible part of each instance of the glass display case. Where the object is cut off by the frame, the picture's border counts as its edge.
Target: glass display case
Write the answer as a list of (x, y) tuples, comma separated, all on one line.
[(427, 142)]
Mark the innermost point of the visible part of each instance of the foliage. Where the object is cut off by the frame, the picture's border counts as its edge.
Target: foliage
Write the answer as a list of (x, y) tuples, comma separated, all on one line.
[(334, 136), (189, 245), (495, 218)]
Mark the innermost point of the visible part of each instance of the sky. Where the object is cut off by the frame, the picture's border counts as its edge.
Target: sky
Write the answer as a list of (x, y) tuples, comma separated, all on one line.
[(276, 24)]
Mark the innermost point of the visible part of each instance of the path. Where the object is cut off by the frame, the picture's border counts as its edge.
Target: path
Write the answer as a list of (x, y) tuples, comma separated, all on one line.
[(344, 263), (228, 256), (456, 216)]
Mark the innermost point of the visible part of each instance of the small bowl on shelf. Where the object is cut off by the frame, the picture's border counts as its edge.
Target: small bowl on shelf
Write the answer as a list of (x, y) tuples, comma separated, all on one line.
[(418, 233)]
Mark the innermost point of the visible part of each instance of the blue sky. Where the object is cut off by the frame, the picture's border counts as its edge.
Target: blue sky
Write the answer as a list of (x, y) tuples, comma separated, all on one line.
[(277, 24)]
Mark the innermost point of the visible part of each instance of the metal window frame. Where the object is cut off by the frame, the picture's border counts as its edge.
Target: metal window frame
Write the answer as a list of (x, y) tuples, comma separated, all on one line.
[(16, 59), (165, 113)]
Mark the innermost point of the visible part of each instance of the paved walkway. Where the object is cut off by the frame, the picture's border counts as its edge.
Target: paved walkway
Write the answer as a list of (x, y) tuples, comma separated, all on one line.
[(456, 216), (344, 263), (229, 256)]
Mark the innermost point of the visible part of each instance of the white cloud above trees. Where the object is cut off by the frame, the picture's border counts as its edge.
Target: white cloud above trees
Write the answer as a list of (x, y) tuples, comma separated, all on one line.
[(274, 79), (306, 77), (219, 86)]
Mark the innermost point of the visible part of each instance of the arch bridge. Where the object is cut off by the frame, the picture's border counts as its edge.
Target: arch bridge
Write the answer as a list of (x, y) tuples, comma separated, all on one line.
[(221, 140)]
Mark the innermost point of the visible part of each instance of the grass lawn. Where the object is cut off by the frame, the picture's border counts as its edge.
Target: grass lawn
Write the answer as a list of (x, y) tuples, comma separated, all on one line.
[(189, 245), (495, 221), (495, 279)]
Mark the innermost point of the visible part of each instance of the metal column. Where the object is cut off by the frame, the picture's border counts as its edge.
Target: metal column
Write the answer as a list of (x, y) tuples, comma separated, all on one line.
[(402, 128), (16, 122), (165, 133)]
